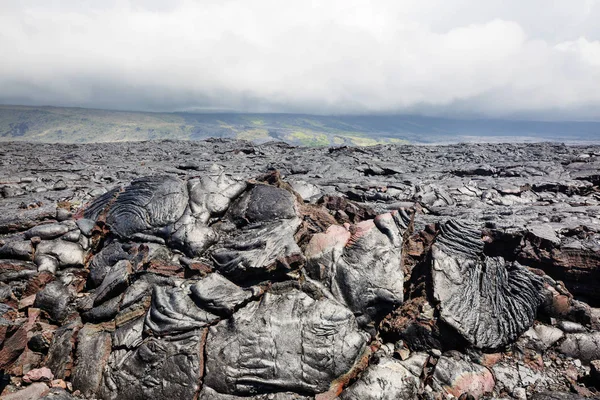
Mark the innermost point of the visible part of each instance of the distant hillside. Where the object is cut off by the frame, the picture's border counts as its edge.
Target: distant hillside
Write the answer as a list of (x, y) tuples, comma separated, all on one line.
[(78, 125)]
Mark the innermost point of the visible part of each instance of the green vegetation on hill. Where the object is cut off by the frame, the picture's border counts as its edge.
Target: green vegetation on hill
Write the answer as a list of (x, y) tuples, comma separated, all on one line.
[(53, 124), (80, 125)]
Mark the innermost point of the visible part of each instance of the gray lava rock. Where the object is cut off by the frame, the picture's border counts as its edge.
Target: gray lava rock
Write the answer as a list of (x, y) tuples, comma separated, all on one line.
[(93, 351), (361, 264), (46, 263), (512, 377), (386, 380), (68, 254), (264, 244), (457, 376), (18, 249), (47, 231), (306, 190), (218, 295), (583, 346), (557, 396), (571, 327), (212, 193), (86, 226), (147, 203), (544, 335), (129, 334), (174, 311), (55, 299), (103, 262), (58, 394), (209, 394), (285, 342), (489, 301), (114, 283), (206, 242), (209, 196), (157, 369)]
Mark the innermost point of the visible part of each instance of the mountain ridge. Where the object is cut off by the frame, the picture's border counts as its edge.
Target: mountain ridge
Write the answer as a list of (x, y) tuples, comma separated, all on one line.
[(83, 125)]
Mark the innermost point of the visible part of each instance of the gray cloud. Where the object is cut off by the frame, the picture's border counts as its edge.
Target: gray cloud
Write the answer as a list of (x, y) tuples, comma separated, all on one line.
[(497, 58)]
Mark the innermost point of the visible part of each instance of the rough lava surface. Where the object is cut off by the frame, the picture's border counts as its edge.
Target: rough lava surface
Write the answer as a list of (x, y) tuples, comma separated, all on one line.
[(222, 269)]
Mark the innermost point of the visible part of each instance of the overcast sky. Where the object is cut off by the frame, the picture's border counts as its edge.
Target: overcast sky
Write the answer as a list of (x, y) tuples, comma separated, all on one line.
[(495, 58)]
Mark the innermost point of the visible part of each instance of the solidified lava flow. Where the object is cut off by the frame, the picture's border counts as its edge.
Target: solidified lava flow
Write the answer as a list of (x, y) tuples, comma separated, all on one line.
[(222, 269)]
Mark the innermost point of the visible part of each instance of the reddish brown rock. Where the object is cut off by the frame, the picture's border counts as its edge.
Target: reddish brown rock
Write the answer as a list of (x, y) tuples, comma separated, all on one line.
[(347, 211), (315, 219), (489, 359), (16, 343), (38, 282), (412, 322), (26, 302), (576, 267), (58, 383), (38, 375), (200, 269), (27, 361), (166, 269)]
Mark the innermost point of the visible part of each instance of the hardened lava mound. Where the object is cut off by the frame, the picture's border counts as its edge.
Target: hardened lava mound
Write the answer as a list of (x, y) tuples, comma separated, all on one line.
[(491, 302), (227, 270)]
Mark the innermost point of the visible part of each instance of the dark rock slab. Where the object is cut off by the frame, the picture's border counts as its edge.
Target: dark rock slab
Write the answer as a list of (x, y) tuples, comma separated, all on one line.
[(17, 249), (105, 311), (264, 243), (147, 203), (61, 352), (93, 351), (55, 298), (361, 264), (47, 231), (174, 311), (217, 294), (488, 300), (157, 369), (114, 283), (103, 261), (263, 203), (286, 342)]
